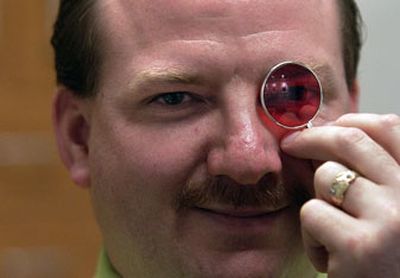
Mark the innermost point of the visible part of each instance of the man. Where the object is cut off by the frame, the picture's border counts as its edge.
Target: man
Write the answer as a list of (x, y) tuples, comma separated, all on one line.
[(157, 112)]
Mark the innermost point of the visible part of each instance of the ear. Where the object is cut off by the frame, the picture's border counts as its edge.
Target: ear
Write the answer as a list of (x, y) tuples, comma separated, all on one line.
[(354, 92), (70, 120)]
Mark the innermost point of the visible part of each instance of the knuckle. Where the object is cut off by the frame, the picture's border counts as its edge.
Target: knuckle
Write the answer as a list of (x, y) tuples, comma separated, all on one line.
[(363, 243), (324, 172), (373, 241), (392, 214), (307, 212), (357, 240), (345, 118), (320, 172), (379, 242), (390, 121), (351, 136), (371, 250), (326, 166)]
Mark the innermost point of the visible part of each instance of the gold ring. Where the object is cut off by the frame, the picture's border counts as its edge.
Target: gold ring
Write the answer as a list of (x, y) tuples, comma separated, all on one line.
[(342, 182)]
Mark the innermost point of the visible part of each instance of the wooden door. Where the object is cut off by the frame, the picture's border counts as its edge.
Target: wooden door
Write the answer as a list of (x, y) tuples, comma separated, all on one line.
[(46, 225)]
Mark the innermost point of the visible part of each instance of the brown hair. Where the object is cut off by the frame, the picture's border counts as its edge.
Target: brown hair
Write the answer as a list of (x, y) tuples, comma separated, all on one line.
[(77, 44), (352, 25)]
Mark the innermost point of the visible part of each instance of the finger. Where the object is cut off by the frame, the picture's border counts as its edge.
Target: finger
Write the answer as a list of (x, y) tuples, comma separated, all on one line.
[(384, 129), (316, 252), (359, 199), (349, 146), (325, 230)]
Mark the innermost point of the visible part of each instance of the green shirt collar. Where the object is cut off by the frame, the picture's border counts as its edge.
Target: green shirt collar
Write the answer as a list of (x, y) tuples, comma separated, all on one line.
[(104, 268)]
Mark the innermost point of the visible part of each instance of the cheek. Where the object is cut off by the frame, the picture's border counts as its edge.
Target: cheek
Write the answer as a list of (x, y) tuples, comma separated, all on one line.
[(332, 109), (143, 160), (167, 154), (137, 174), (278, 132)]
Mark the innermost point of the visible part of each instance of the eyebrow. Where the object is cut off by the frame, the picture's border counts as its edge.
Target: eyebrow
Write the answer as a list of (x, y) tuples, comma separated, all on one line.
[(327, 77), (163, 75), (173, 75)]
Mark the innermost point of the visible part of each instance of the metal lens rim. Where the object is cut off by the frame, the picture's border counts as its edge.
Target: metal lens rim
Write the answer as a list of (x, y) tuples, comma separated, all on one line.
[(277, 66)]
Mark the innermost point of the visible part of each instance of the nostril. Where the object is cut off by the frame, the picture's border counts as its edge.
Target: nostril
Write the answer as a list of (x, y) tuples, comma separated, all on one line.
[(245, 150), (245, 163)]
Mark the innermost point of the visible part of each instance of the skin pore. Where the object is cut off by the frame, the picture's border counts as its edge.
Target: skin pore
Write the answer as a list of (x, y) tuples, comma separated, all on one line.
[(177, 111)]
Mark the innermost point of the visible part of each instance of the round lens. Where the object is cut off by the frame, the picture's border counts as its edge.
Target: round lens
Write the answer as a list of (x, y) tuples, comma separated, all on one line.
[(291, 95)]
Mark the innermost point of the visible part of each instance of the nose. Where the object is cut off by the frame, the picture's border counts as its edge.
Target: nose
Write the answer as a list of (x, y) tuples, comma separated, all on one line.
[(245, 150)]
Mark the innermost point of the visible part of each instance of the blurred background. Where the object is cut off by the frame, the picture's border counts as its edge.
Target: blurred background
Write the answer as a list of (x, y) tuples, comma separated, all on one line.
[(380, 61), (46, 223)]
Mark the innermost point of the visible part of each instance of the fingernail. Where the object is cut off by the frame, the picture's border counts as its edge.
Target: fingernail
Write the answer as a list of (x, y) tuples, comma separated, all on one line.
[(290, 138)]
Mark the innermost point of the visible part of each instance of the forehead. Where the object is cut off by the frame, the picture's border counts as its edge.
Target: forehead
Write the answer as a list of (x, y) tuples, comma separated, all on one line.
[(150, 20), (136, 29)]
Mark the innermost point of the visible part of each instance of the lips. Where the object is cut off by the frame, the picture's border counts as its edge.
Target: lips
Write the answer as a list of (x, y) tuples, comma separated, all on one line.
[(246, 212), (252, 221)]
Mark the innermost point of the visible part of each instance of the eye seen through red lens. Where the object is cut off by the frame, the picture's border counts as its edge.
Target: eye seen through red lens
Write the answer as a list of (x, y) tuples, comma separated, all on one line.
[(291, 95)]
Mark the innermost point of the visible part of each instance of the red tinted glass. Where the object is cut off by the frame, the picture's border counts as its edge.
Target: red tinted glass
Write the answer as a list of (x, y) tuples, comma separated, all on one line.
[(291, 95)]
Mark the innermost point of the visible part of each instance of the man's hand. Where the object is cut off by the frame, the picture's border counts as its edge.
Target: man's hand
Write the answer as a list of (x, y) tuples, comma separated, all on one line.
[(361, 238)]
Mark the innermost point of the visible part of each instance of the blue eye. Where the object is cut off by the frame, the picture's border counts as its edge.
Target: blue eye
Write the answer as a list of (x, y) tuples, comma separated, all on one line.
[(173, 98)]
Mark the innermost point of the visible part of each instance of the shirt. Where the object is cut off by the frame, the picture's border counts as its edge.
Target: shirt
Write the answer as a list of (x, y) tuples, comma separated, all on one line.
[(106, 270)]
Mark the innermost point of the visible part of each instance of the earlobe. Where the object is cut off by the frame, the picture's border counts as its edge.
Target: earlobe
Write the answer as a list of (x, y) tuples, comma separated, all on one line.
[(354, 92), (70, 120)]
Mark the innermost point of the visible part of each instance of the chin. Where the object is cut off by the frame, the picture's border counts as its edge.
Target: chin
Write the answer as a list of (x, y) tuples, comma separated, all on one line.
[(240, 246), (245, 264)]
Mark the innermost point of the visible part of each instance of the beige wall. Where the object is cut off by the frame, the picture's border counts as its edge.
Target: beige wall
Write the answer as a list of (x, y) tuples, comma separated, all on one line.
[(380, 61), (46, 225)]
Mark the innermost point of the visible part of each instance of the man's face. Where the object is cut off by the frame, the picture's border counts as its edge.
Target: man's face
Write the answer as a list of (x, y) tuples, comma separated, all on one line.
[(186, 175)]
